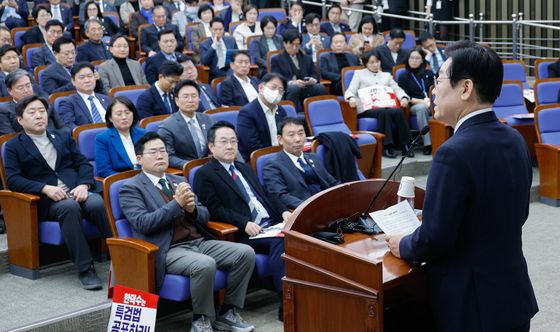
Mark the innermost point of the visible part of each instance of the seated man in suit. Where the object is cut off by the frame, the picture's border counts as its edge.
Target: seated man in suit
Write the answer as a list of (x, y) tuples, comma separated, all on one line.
[(298, 69), (94, 48), (44, 55), (5, 36), (149, 41), (333, 63), (14, 13), (239, 89), (335, 25), (84, 106), (9, 62), (233, 194), (208, 99), (167, 45), (257, 122), (19, 85), (158, 99), (184, 132), (63, 14), (163, 210), (313, 41), (49, 164), (56, 77), (434, 54), (291, 175), (215, 51), (392, 53)]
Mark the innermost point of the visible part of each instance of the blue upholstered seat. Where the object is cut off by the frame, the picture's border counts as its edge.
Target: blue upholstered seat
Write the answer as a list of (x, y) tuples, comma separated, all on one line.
[(511, 102)]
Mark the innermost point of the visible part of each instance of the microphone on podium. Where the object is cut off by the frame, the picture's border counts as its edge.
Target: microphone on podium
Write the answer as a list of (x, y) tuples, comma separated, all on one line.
[(364, 220)]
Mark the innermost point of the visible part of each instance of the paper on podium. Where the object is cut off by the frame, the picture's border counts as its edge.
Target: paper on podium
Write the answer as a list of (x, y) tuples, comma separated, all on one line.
[(397, 219), (272, 231)]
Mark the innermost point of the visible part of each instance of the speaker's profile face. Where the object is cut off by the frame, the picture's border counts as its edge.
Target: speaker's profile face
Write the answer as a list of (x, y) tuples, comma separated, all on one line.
[(448, 98)]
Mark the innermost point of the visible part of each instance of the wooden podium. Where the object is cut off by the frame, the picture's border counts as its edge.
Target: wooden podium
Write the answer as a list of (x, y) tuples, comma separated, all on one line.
[(351, 286)]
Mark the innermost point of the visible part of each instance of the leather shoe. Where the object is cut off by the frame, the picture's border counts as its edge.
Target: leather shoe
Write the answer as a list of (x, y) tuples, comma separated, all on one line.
[(89, 279), (427, 150), (388, 152)]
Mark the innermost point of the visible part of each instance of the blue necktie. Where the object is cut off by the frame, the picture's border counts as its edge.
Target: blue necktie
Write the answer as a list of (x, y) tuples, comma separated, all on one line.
[(237, 180), (306, 168), (206, 100), (166, 103), (94, 111)]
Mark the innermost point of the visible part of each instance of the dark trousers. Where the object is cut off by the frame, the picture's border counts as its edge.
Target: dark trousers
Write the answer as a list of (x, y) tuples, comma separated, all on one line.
[(70, 214), (297, 94), (274, 247), (392, 123)]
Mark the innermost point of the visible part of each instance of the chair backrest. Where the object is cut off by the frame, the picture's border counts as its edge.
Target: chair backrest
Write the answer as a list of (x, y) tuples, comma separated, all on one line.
[(546, 91), (5, 100), (3, 140), (319, 149), (56, 98), (278, 13), (233, 26), (252, 42), (259, 158), (120, 226), (320, 55), (323, 113), (398, 70), (38, 74), (289, 107), (348, 35), (151, 123), (347, 75), (27, 53), (541, 67), (216, 83), (113, 16), (510, 101), (84, 136), (140, 28), (228, 114), (269, 57), (191, 167), (132, 92), (188, 32), (514, 70), (547, 124), (16, 36), (409, 40)]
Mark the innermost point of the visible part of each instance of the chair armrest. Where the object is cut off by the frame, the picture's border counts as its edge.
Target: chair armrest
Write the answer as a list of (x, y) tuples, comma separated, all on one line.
[(203, 73), (222, 231), (375, 169), (548, 158), (349, 114), (133, 263), (439, 133), (174, 171)]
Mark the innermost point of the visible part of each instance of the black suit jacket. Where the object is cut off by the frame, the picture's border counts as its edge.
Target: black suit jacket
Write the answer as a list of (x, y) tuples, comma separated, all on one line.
[(89, 52), (412, 87), (387, 62), (150, 103), (232, 93), (153, 63), (149, 38), (9, 124), (218, 192), (260, 51), (284, 65), (329, 30), (329, 65), (28, 172), (33, 36), (56, 79)]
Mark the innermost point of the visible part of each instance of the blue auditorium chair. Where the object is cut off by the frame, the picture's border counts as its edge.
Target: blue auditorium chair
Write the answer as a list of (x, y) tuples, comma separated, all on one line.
[(546, 91), (541, 67), (289, 107), (16, 36), (259, 158), (547, 124), (278, 13), (132, 92), (151, 123), (367, 124), (84, 136), (27, 53), (228, 114), (514, 70)]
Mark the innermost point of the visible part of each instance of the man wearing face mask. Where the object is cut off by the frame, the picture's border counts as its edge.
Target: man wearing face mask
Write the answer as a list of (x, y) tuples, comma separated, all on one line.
[(257, 122)]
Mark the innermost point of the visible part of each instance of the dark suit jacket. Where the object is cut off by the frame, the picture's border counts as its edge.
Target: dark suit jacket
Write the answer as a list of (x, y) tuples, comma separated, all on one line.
[(284, 65), (56, 79), (33, 36), (329, 30), (477, 200), (89, 52), (152, 219), (208, 54), (288, 25), (204, 105), (42, 56), (110, 154), (260, 51), (9, 124), (253, 129), (223, 198), (284, 180), (329, 66), (149, 39), (27, 171), (136, 20), (152, 66), (554, 69), (411, 86), (232, 93), (22, 11), (387, 62), (107, 7), (150, 103), (67, 17), (179, 140), (74, 111)]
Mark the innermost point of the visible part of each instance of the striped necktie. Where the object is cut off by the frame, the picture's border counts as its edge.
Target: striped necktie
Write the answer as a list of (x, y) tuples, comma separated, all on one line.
[(94, 111)]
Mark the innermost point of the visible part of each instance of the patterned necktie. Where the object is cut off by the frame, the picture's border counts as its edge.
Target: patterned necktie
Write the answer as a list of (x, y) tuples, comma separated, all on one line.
[(166, 103), (306, 168), (221, 56), (94, 111), (207, 100), (197, 137), (165, 187), (237, 180)]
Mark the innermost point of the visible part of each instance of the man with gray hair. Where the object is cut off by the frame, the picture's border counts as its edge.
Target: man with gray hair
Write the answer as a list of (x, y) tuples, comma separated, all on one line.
[(93, 49), (19, 85)]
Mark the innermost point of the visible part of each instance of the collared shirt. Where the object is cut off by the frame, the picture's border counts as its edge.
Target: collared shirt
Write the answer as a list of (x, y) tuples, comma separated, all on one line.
[(252, 197), (129, 148), (199, 133), (336, 28), (161, 93), (248, 88), (468, 116), (313, 48), (155, 180), (294, 160), (97, 103), (207, 29), (270, 115), (395, 56), (56, 13)]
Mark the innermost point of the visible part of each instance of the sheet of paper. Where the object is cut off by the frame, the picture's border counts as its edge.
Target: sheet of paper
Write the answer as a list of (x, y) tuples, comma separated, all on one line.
[(529, 94), (397, 219), (524, 116), (272, 231)]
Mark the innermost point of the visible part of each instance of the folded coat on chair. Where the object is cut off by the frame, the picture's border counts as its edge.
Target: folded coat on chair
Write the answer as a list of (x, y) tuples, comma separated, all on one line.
[(340, 153)]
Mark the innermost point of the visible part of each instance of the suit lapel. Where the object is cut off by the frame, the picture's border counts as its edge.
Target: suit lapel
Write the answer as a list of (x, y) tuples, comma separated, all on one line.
[(28, 144), (152, 190), (291, 167), (83, 107), (237, 86), (104, 102), (261, 118), (114, 69), (188, 136), (204, 126), (55, 140), (226, 177), (157, 98), (116, 139)]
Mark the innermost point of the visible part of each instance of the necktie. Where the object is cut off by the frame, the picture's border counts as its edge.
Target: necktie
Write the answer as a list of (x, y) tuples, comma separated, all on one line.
[(435, 63), (206, 99), (56, 13), (197, 137), (237, 180), (306, 168), (94, 111), (165, 187), (221, 56), (166, 103)]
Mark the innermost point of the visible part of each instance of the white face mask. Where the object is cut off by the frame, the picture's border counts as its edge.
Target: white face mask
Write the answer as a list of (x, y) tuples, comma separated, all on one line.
[(271, 96)]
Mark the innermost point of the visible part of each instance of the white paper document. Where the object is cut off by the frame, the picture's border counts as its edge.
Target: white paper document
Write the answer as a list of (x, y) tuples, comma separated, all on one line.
[(397, 219), (272, 231)]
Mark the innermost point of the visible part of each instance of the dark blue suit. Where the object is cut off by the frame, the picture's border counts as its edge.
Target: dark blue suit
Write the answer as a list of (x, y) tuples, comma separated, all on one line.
[(232, 93), (56, 78), (329, 30), (209, 58), (253, 129), (149, 38), (288, 25), (74, 111), (150, 103), (208, 98), (67, 17), (284, 180), (42, 56), (22, 11), (325, 40), (477, 200), (90, 51), (153, 63), (330, 69), (110, 154)]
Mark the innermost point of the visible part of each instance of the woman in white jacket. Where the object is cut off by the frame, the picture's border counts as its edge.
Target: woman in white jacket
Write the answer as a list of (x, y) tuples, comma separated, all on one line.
[(390, 121), (248, 28)]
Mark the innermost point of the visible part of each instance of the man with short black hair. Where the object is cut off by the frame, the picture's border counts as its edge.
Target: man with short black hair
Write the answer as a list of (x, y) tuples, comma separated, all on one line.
[(313, 41), (62, 14), (45, 55), (239, 89), (167, 52), (94, 48), (208, 98), (434, 54), (215, 51), (392, 53), (333, 62), (474, 210), (158, 99), (56, 77), (149, 41)]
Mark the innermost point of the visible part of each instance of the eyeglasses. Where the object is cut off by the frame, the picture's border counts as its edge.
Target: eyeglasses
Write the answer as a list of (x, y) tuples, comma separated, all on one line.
[(155, 152), (232, 141)]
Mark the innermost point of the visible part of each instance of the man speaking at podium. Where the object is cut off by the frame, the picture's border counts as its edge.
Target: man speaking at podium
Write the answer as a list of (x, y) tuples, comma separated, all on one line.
[(476, 202)]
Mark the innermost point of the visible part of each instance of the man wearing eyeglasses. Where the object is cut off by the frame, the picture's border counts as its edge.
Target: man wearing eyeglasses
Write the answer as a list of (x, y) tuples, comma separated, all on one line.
[(158, 99), (163, 210), (44, 55)]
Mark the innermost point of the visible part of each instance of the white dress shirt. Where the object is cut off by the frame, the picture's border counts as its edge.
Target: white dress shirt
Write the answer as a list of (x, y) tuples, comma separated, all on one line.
[(129, 148), (248, 88), (97, 103), (470, 115), (270, 115)]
